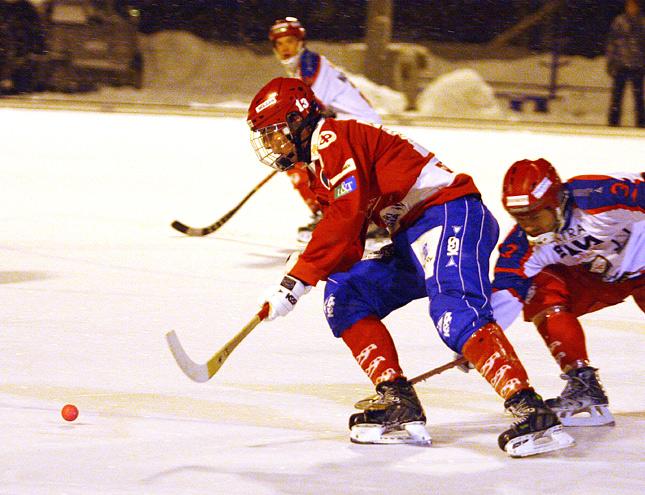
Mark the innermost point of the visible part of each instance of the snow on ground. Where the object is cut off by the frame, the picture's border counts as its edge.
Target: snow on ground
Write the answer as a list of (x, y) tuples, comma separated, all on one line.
[(183, 71), (92, 277)]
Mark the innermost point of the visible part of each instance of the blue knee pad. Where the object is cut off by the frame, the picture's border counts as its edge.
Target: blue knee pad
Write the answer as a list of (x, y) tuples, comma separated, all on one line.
[(371, 287), (456, 320)]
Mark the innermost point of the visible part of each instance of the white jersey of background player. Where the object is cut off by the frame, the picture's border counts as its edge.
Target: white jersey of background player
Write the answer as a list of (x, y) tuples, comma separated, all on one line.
[(330, 85), (339, 98)]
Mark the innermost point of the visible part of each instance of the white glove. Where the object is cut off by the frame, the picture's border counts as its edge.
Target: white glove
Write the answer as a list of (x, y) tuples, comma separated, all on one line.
[(283, 297), (465, 367)]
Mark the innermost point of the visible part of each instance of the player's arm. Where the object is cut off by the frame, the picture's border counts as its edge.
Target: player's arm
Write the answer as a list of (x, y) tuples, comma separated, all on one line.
[(596, 193), (338, 239), (511, 282)]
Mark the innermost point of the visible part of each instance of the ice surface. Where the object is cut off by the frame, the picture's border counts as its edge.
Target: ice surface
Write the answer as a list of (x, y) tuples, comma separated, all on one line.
[(92, 277)]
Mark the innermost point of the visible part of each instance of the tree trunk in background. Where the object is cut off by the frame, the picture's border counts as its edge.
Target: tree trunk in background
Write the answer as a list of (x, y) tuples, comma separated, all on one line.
[(379, 32)]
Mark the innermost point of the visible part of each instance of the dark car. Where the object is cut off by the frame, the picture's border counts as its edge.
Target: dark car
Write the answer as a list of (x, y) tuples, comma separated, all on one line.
[(68, 46), (22, 46), (90, 43)]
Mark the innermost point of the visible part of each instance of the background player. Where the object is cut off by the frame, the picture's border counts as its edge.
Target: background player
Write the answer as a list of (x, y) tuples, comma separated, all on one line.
[(577, 247), (361, 172), (339, 98)]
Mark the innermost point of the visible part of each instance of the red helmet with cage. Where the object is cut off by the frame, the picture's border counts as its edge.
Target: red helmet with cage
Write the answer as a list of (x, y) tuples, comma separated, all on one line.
[(289, 26), (530, 186), (282, 117)]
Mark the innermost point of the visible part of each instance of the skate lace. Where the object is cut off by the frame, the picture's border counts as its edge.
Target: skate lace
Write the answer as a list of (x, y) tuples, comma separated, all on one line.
[(574, 388), (583, 386), (394, 396), (386, 398), (580, 391), (521, 411)]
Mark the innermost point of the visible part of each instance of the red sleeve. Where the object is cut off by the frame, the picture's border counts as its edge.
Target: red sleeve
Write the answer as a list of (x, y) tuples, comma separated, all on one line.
[(338, 240)]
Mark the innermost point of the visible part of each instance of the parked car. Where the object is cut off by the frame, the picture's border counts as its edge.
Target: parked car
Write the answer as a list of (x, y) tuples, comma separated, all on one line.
[(68, 46), (22, 46), (90, 43)]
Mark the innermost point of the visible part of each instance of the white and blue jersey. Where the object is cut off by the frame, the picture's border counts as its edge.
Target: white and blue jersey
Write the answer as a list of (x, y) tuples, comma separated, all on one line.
[(604, 231), (332, 87)]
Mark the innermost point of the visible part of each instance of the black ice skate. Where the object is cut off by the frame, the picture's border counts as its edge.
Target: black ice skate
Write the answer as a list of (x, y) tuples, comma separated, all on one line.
[(536, 430), (583, 402), (394, 415), (304, 232)]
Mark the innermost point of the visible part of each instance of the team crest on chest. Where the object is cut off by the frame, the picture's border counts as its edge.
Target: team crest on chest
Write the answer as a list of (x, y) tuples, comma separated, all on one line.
[(325, 139)]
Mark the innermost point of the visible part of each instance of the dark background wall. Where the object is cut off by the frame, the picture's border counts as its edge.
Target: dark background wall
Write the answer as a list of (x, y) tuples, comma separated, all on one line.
[(579, 27)]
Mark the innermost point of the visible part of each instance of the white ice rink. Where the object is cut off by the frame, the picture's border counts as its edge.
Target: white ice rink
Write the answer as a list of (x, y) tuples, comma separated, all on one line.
[(92, 277)]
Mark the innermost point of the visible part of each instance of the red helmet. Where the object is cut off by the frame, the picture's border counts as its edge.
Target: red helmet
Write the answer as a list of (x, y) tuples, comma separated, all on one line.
[(289, 26), (278, 115), (531, 185)]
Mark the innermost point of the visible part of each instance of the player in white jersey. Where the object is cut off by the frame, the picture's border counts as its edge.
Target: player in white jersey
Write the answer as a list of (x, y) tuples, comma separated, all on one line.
[(577, 247), (333, 89)]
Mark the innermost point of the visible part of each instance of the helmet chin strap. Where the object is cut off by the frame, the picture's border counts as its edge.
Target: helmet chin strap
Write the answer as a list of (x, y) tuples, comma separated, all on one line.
[(542, 239), (560, 221), (285, 162)]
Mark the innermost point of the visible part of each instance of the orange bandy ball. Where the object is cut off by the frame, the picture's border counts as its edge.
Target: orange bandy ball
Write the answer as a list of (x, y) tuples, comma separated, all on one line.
[(69, 412)]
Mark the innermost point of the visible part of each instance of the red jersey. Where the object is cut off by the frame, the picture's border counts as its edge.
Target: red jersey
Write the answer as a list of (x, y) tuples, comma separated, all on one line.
[(363, 171)]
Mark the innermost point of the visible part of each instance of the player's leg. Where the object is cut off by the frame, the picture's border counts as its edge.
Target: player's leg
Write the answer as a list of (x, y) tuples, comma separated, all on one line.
[(454, 257), (356, 301), (638, 292), (559, 294)]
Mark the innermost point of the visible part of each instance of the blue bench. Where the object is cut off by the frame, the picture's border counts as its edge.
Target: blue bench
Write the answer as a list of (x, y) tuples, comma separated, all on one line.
[(541, 102)]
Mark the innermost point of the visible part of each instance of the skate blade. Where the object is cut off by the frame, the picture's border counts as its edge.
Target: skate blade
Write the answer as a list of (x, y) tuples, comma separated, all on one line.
[(538, 443), (591, 416), (414, 433)]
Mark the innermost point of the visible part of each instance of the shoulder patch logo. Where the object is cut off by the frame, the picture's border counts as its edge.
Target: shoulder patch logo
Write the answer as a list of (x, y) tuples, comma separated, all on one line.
[(345, 187), (325, 139)]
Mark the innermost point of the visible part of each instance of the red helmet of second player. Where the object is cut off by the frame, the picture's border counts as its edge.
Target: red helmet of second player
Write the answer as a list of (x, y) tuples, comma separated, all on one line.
[(531, 185)]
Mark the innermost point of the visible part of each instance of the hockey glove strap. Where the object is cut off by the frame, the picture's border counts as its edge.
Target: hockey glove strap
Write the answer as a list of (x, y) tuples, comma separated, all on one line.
[(282, 298)]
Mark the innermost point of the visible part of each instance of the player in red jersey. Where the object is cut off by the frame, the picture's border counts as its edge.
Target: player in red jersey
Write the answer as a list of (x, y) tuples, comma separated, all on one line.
[(442, 238)]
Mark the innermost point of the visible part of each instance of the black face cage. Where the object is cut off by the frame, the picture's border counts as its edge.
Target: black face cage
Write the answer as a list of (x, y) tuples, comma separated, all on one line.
[(297, 126)]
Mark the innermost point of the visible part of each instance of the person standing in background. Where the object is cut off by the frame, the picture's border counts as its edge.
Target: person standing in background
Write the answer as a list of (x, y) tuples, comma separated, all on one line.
[(626, 60)]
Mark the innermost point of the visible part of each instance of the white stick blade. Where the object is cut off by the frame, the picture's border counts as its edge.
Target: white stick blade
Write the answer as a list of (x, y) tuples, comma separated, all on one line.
[(196, 372)]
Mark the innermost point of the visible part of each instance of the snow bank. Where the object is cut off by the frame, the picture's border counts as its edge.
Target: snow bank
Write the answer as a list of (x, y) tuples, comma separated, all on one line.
[(461, 93)]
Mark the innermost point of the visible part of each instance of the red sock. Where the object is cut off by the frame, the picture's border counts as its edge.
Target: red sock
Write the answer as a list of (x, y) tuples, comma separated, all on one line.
[(493, 356), (565, 339), (373, 348)]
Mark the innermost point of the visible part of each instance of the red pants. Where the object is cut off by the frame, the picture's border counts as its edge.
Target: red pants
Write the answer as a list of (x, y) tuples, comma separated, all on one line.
[(562, 294), (579, 291)]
